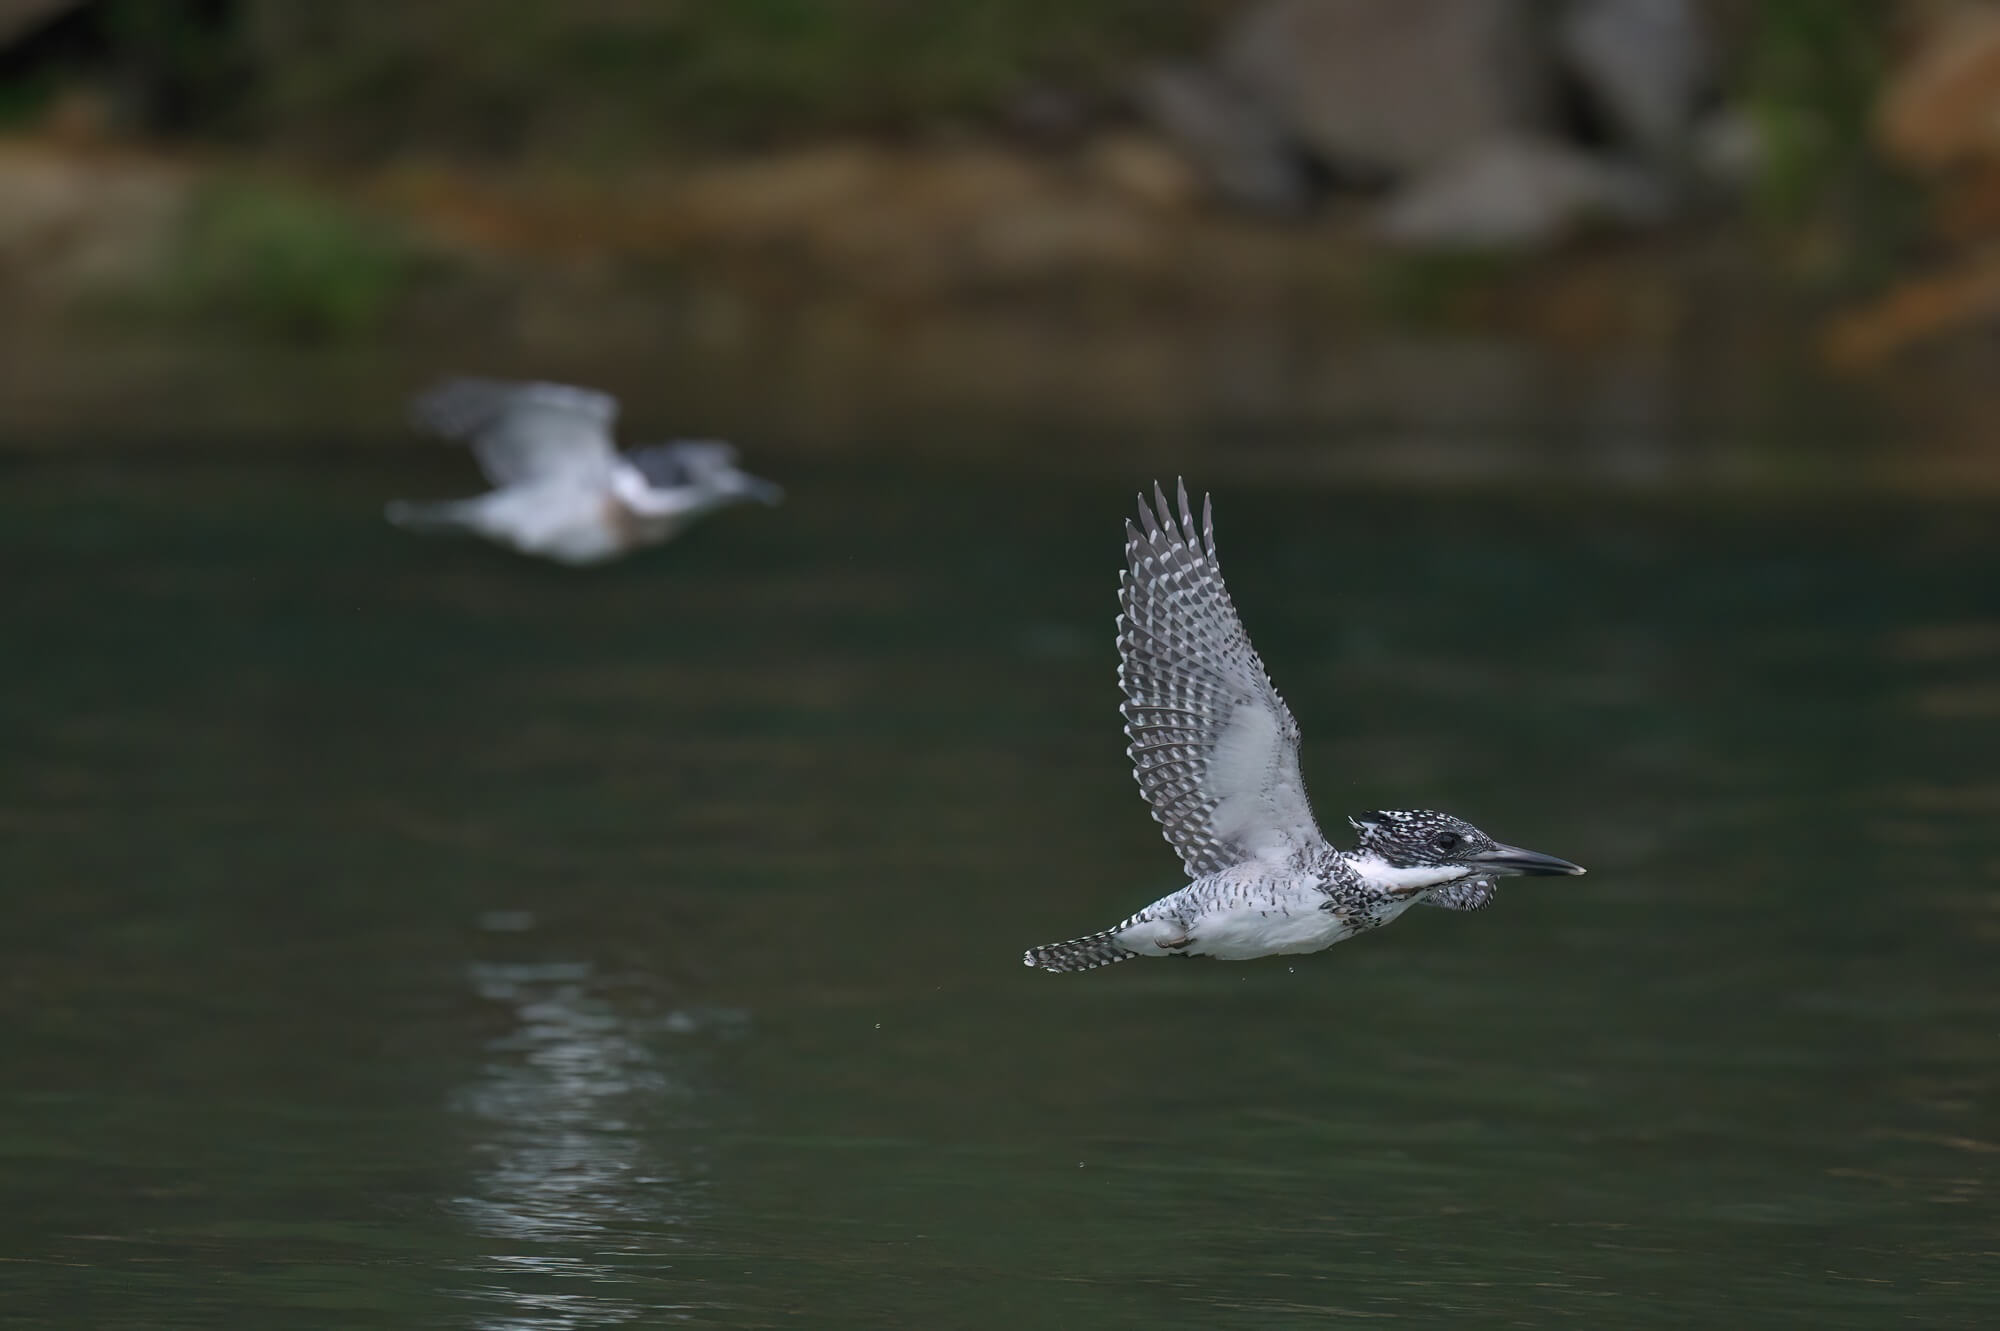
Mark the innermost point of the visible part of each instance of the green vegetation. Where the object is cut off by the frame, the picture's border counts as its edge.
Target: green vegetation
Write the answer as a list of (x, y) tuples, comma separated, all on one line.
[(283, 263), (605, 80), (1811, 79)]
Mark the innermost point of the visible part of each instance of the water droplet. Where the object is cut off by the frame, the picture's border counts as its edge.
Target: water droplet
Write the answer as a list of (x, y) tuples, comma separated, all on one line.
[(878, 1025)]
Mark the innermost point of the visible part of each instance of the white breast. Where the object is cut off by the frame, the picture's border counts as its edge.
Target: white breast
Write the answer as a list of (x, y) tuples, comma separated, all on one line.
[(1383, 876)]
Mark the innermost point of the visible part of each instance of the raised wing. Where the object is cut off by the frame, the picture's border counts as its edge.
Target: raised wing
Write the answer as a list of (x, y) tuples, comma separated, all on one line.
[(683, 462), (1214, 747), (524, 432)]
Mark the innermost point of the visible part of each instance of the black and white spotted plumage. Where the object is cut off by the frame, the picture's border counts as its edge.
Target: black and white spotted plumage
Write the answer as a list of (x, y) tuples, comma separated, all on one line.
[(1472, 894), (1216, 754), (1214, 747), (1081, 954)]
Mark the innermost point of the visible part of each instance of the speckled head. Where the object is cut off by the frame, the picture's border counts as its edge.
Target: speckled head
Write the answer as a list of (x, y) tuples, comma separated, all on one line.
[(1415, 847)]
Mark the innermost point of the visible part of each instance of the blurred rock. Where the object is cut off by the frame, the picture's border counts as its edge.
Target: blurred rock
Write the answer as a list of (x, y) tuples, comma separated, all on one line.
[(1393, 87), (1645, 62), (1247, 159), (1727, 147), (1942, 102), (71, 222), (1143, 169), (1515, 193)]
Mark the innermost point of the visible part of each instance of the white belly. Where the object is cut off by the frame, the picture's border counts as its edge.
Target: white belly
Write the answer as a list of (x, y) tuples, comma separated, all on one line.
[(570, 524), (1242, 933), (1237, 919)]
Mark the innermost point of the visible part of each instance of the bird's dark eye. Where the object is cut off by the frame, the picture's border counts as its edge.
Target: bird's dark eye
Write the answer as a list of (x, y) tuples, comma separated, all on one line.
[(1446, 841)]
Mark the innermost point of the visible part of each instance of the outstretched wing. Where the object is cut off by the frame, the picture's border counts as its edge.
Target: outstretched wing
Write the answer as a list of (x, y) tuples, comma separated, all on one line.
[(1214, 747), (524, 432)]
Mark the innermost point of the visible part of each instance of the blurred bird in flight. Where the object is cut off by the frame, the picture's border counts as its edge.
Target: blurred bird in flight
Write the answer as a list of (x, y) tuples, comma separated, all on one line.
[(1216, 752), (561, 489)]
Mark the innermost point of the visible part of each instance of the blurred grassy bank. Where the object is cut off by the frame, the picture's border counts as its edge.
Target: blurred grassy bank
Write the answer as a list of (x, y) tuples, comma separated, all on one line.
[(601, 83), (898, 210)]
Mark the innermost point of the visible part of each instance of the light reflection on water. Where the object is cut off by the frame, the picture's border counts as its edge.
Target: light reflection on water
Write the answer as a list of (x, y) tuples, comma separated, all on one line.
[(587, 1132)]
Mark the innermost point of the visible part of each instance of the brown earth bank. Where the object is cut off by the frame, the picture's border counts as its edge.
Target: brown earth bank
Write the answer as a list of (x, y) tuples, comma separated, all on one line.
[(958, 296), (1683, 239)]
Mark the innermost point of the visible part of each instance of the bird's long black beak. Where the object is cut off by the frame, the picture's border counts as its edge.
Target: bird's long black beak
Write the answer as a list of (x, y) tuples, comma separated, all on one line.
[(1512, 859)]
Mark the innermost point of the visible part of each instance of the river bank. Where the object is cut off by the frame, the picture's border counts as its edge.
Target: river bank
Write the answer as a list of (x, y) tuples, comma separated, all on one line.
[(848, 297)]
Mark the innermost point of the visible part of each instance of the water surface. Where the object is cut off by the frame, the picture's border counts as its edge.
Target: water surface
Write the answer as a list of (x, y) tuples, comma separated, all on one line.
[(404, 934)]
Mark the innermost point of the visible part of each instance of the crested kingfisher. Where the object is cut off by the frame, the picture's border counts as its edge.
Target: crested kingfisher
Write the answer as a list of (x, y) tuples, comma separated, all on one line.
[(561, 489), (1216, 753)]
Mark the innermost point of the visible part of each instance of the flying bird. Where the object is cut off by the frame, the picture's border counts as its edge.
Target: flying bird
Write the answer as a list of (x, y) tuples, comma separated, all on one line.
[(1216, 752), (561, 489)]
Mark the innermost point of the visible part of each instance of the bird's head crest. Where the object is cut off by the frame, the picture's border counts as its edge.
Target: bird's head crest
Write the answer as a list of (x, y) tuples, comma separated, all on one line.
[(1420, 848), (1418, 838)]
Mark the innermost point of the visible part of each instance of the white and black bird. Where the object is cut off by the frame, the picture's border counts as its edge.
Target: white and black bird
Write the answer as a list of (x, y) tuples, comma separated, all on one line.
[(1216, 752), (561, 489)]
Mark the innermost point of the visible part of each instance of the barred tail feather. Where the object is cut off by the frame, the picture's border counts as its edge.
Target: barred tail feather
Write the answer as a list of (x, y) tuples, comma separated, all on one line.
[(1079, 954)]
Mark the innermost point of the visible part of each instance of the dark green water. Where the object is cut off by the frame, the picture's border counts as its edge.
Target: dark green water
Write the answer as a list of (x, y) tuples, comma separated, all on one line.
[(403, 934)]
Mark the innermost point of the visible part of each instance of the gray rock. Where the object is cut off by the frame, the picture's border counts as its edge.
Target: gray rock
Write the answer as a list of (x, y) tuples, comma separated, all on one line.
[(1516, 192), (1728, 148), (1393, 85), (1246, 158), (1646, 62)]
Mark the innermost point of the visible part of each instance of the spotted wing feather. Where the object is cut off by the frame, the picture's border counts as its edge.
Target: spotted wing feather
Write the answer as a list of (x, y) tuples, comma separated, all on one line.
[(1214, 747), (524, 433)]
